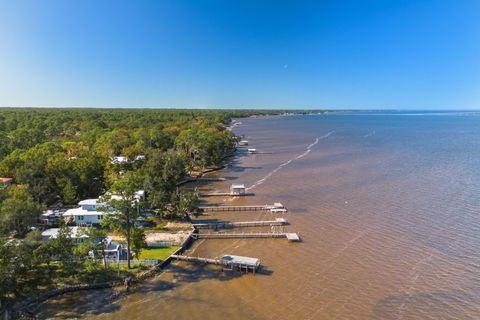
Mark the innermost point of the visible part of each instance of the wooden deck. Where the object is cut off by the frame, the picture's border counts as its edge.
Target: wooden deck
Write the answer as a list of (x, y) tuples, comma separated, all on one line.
[(266, 207), (245, 235), (220, 225), (225, 194), (187, 180)]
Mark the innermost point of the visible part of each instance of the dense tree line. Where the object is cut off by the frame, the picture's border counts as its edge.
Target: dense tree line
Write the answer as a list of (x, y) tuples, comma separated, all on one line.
[(63, 154)]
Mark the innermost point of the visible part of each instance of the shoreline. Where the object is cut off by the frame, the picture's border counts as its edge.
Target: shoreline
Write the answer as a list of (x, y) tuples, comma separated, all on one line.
[(29, 307)]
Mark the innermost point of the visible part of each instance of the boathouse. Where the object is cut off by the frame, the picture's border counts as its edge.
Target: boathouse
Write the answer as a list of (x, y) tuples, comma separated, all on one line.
[(237, 189), (243, 143)]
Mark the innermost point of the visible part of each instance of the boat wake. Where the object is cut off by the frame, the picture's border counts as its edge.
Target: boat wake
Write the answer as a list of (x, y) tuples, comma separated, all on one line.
[(307, 151)]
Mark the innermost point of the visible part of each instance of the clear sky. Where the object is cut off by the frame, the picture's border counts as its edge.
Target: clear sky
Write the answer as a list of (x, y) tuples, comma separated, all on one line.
[(422, 54)]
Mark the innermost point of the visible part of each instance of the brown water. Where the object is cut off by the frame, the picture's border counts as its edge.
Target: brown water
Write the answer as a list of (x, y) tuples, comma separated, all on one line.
[(387, 206)]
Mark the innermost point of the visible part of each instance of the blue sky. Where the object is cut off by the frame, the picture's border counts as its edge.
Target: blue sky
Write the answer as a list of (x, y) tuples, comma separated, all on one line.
[(422, 54)]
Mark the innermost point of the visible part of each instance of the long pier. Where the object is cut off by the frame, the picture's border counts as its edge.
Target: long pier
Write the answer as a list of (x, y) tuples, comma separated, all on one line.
[(225, 194), (219, 225), (266, 207), (290, 236), (200, 179), (231, 261)]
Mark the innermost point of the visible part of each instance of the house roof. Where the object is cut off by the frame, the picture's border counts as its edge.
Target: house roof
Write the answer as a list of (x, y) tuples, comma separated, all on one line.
[(6, 179), (90, 202), (74, 233), (241, 260), (81, 212), (138, 195)]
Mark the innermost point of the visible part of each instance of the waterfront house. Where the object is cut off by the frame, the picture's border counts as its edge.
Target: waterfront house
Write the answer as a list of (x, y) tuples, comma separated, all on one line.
[(5, 182), (76, 233), (237, 189), (112, 249), (88, 213)]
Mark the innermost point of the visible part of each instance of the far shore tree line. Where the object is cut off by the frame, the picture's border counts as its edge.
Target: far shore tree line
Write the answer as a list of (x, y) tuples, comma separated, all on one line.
[(61, 156)]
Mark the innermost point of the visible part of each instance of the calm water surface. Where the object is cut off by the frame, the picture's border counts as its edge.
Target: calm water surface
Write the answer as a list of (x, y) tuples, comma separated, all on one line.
[(388, 209)]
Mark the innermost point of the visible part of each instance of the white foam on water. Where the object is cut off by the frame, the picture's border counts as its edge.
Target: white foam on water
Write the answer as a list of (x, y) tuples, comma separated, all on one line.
[(307, 151)]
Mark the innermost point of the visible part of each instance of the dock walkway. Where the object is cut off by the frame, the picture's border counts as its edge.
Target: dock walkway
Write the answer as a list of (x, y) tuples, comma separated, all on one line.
[(244, 235), (219, 225), (231, 261), (225, 194), (266, 207)]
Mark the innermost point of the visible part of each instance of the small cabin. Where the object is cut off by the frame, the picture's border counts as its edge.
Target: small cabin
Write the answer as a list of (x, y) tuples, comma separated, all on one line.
[(252, 151), (243, 143), (237, 189)]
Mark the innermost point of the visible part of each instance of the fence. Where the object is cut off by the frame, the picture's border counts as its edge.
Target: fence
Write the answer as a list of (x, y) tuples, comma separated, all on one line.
[(133, 261), (160, 244)]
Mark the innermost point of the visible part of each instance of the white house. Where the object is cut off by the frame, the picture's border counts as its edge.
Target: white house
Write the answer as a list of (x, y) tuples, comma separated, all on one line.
[(112, 249), (76, 233), (87, 213)]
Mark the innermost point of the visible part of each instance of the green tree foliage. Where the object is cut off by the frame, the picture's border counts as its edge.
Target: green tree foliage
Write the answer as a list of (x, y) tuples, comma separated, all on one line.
[(16, 261), (93, 248), (63, 155), (18, 212), (184, 203), (62, 249), (122, 198), (138, 241)]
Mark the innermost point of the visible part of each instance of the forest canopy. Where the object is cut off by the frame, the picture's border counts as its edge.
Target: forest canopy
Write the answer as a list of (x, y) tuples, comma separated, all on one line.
[(64, 155)]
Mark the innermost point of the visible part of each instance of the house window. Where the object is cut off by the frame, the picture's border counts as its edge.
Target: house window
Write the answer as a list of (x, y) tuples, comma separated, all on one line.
[(80, 217), (99, 217)]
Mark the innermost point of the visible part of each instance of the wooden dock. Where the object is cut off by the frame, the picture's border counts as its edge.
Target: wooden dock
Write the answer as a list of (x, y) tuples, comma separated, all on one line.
[(266, 207), (204, 179), (230, 261), (225, 194), (290, 236), (220, 225)]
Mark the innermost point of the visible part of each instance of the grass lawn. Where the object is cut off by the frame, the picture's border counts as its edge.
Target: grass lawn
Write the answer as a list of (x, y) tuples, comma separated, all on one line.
[(156, 253)]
